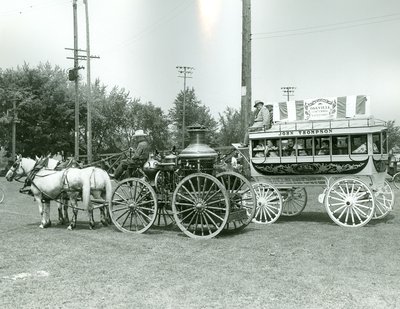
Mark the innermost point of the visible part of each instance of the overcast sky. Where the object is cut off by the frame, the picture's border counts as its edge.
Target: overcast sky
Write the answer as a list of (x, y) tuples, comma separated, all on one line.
[(324, 48)]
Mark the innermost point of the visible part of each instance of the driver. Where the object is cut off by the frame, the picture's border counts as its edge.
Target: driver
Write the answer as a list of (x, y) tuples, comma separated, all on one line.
[(139, 157)]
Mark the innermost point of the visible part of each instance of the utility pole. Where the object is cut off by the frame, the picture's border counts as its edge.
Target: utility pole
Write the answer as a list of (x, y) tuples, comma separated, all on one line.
[(185, 71), (76, 64), (89, 96), (246, 65), (74, 76), (288, 92), (15, 120)]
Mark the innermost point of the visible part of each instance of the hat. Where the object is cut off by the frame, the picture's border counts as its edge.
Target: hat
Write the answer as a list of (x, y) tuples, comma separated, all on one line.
[(139, 133), (269, 105), (258, 102)]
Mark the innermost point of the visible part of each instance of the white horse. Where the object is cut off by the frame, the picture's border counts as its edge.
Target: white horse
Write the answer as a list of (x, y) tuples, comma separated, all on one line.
[(49, 185), (62, 203)]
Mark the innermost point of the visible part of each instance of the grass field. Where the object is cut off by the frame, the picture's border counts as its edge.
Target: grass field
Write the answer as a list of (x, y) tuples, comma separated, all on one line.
[(303, 262)]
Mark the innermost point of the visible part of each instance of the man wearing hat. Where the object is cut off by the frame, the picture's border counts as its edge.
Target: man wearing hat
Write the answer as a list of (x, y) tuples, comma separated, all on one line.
[(261, 115), (262, 118), (138, 158)]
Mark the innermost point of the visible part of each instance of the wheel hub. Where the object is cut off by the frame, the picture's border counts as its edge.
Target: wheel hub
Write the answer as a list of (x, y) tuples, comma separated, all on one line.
[(262, 201), (132, 206), (350, 201), (200, 205)]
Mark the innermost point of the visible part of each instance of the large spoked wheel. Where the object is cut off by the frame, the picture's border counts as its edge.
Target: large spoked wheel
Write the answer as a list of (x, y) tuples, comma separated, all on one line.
[(2, 195), (294, 201), (384, 200), (242, 200), (349, 202), (269, 203), (164, 184), (201, 206), (396, 180), (133, 206)]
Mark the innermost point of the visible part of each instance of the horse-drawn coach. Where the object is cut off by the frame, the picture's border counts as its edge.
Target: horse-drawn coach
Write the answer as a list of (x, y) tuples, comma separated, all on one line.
[(332, 143)]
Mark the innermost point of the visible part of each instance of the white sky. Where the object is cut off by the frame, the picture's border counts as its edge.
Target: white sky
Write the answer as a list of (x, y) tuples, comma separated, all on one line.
[(325, 48)]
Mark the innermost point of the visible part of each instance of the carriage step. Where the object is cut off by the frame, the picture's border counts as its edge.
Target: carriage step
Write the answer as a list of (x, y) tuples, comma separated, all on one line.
[(237, 215)]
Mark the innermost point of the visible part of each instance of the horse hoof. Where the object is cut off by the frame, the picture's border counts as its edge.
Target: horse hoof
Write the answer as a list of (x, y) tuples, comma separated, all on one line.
[(46, 225), (41, 226), (70, 227), (104, 222)]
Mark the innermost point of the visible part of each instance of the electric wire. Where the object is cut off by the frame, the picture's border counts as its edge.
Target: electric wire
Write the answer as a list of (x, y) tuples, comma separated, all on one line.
[(324, 28)]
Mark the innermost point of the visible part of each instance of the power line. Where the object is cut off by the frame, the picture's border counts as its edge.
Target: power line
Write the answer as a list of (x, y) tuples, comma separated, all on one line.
[(322, 28)]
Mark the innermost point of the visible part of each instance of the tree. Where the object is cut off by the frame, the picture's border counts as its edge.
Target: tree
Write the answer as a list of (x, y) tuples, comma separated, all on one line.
[(230, 130), (43, 104), (393, 133), (116, 117), (195, 113)]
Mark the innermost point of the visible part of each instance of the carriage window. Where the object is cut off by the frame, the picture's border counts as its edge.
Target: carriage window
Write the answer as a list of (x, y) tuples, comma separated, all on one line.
[(304, 146), (340, 145), (288, 147), (258, 148), (384, 142), (272, 148), (376, 143), (359, 144), (322, 146)]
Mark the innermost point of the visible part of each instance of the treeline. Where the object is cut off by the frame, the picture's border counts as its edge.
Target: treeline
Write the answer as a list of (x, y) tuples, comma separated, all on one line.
[(45, 105)]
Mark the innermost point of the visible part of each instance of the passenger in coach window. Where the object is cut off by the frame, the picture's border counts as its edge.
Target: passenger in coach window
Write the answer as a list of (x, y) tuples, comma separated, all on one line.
[(289, 149), (360, 145), (324, 148), (271, 150)]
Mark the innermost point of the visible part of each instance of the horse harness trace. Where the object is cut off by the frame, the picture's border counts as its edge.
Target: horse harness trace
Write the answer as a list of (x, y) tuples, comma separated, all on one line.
[(29, 181)]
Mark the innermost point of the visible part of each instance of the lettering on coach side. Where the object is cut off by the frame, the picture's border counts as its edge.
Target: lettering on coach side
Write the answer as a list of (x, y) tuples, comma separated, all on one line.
[(315, 131), (306, 132)]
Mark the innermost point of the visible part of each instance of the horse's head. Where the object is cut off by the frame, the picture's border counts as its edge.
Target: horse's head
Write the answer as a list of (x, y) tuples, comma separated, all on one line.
[(20, 168), (15, 169)]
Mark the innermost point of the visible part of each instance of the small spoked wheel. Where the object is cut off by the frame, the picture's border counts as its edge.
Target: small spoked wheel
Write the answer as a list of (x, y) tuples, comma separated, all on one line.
[(242, 200), (133, 206), (294, 201), (384, 200), (269, 203), (200, 205), (396, 180), (350, 202)]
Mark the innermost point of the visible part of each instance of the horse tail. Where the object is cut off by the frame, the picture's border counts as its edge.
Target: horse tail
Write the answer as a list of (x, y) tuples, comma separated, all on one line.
[(86, 192), (108, 187)]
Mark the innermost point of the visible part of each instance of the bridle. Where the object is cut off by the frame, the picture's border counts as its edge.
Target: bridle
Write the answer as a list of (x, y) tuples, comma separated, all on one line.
[(14, 168)]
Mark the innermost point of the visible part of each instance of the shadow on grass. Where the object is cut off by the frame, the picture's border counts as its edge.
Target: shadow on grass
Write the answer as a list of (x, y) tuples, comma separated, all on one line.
[(306, 217)]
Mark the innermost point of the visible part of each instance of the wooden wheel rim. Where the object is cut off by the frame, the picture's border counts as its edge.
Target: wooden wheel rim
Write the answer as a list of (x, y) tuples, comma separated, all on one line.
[(200, 205), (269, 203), (384, 201), (294, 201), (133, 206), (349, 202), (241, 196)]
